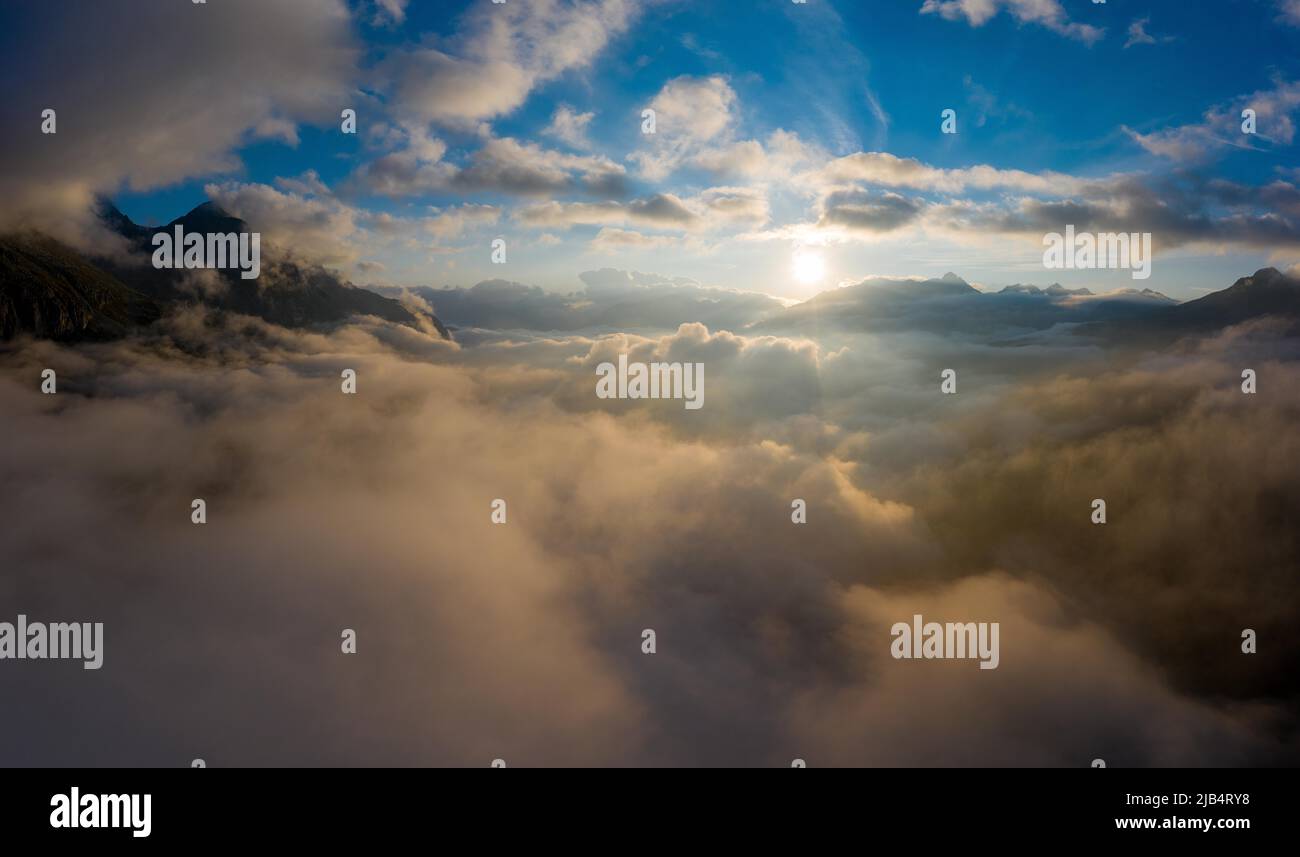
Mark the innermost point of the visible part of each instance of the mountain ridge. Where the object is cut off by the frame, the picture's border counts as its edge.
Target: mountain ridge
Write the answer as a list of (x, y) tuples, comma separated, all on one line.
[(50, 290), (949, 304)]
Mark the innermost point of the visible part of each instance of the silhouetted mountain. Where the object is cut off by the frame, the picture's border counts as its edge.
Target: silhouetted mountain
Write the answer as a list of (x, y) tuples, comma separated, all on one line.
[(51, 290), (612, 301), (950, 305), (1267, 292), (48, 290), (879, 302), (1055, 290), (286, 292)]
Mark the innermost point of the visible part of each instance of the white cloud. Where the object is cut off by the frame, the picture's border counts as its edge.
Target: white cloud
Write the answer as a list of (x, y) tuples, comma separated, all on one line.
[(611, 239), (416, 167), (453, 221), (778, 159), (1220, 126), (522, 167), (689, 113), (389, 12), (303, 219), (1046, 13), (502, 164), (1138, 35), (882, 168), (504, 52), (321, 229), (569, 126)]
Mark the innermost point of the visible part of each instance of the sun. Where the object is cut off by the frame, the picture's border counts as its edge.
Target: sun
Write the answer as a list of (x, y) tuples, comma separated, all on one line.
[(808, 268)]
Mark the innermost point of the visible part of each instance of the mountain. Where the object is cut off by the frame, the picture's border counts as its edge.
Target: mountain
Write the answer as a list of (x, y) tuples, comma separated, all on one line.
[(879, 303), (1267, 292), (612, 300), (286, 292), (48, 290), (951, 305), (1055, 290)]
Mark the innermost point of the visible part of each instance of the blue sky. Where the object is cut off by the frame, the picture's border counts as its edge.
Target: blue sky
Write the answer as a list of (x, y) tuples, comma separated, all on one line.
[(785, 130)]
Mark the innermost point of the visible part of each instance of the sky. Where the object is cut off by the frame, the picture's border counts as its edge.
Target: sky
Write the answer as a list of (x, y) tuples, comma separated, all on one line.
[(784, 131), (795, 130)]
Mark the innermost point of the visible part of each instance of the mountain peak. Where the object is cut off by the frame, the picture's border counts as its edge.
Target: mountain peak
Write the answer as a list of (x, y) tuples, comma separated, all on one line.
[(1266, 275), (208, 209), (950, 277), (113, 217), (210, 217)]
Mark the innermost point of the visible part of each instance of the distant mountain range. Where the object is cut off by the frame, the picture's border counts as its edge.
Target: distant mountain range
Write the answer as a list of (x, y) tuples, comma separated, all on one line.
[(52, 291), (49, 290), (951, 305)]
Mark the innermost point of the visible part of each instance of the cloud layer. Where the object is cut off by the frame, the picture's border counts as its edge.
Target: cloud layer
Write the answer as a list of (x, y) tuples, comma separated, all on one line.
[(522, 641)]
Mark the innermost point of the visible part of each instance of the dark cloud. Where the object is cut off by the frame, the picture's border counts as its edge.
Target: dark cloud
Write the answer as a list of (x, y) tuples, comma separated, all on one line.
[(868, 212), (1178, 210), (222, 73), (1203, 498), (525, 169)]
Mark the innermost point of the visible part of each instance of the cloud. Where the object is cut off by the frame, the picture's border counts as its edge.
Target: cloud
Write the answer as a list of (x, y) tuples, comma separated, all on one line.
[(1151, 418), (416, 167), (733, 207), (1177, 212), (1290, 11), (690, 112), (859, 211), (451, 222), (317, 228), (1138, 35), (772, 638), (304, 220), (498, 57), (716, 208), (779, 159), (989, 106), (663, 210), (278, 64), (981, 203), (613, 240), (389, 12), (1220, 127), (611, 299), (500, 164), (525, 168), (889, 170), (1146, 723), (569, 126), (1045, 13)]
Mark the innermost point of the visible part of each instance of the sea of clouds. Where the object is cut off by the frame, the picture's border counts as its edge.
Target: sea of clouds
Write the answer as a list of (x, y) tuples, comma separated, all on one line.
[(522, 641)]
